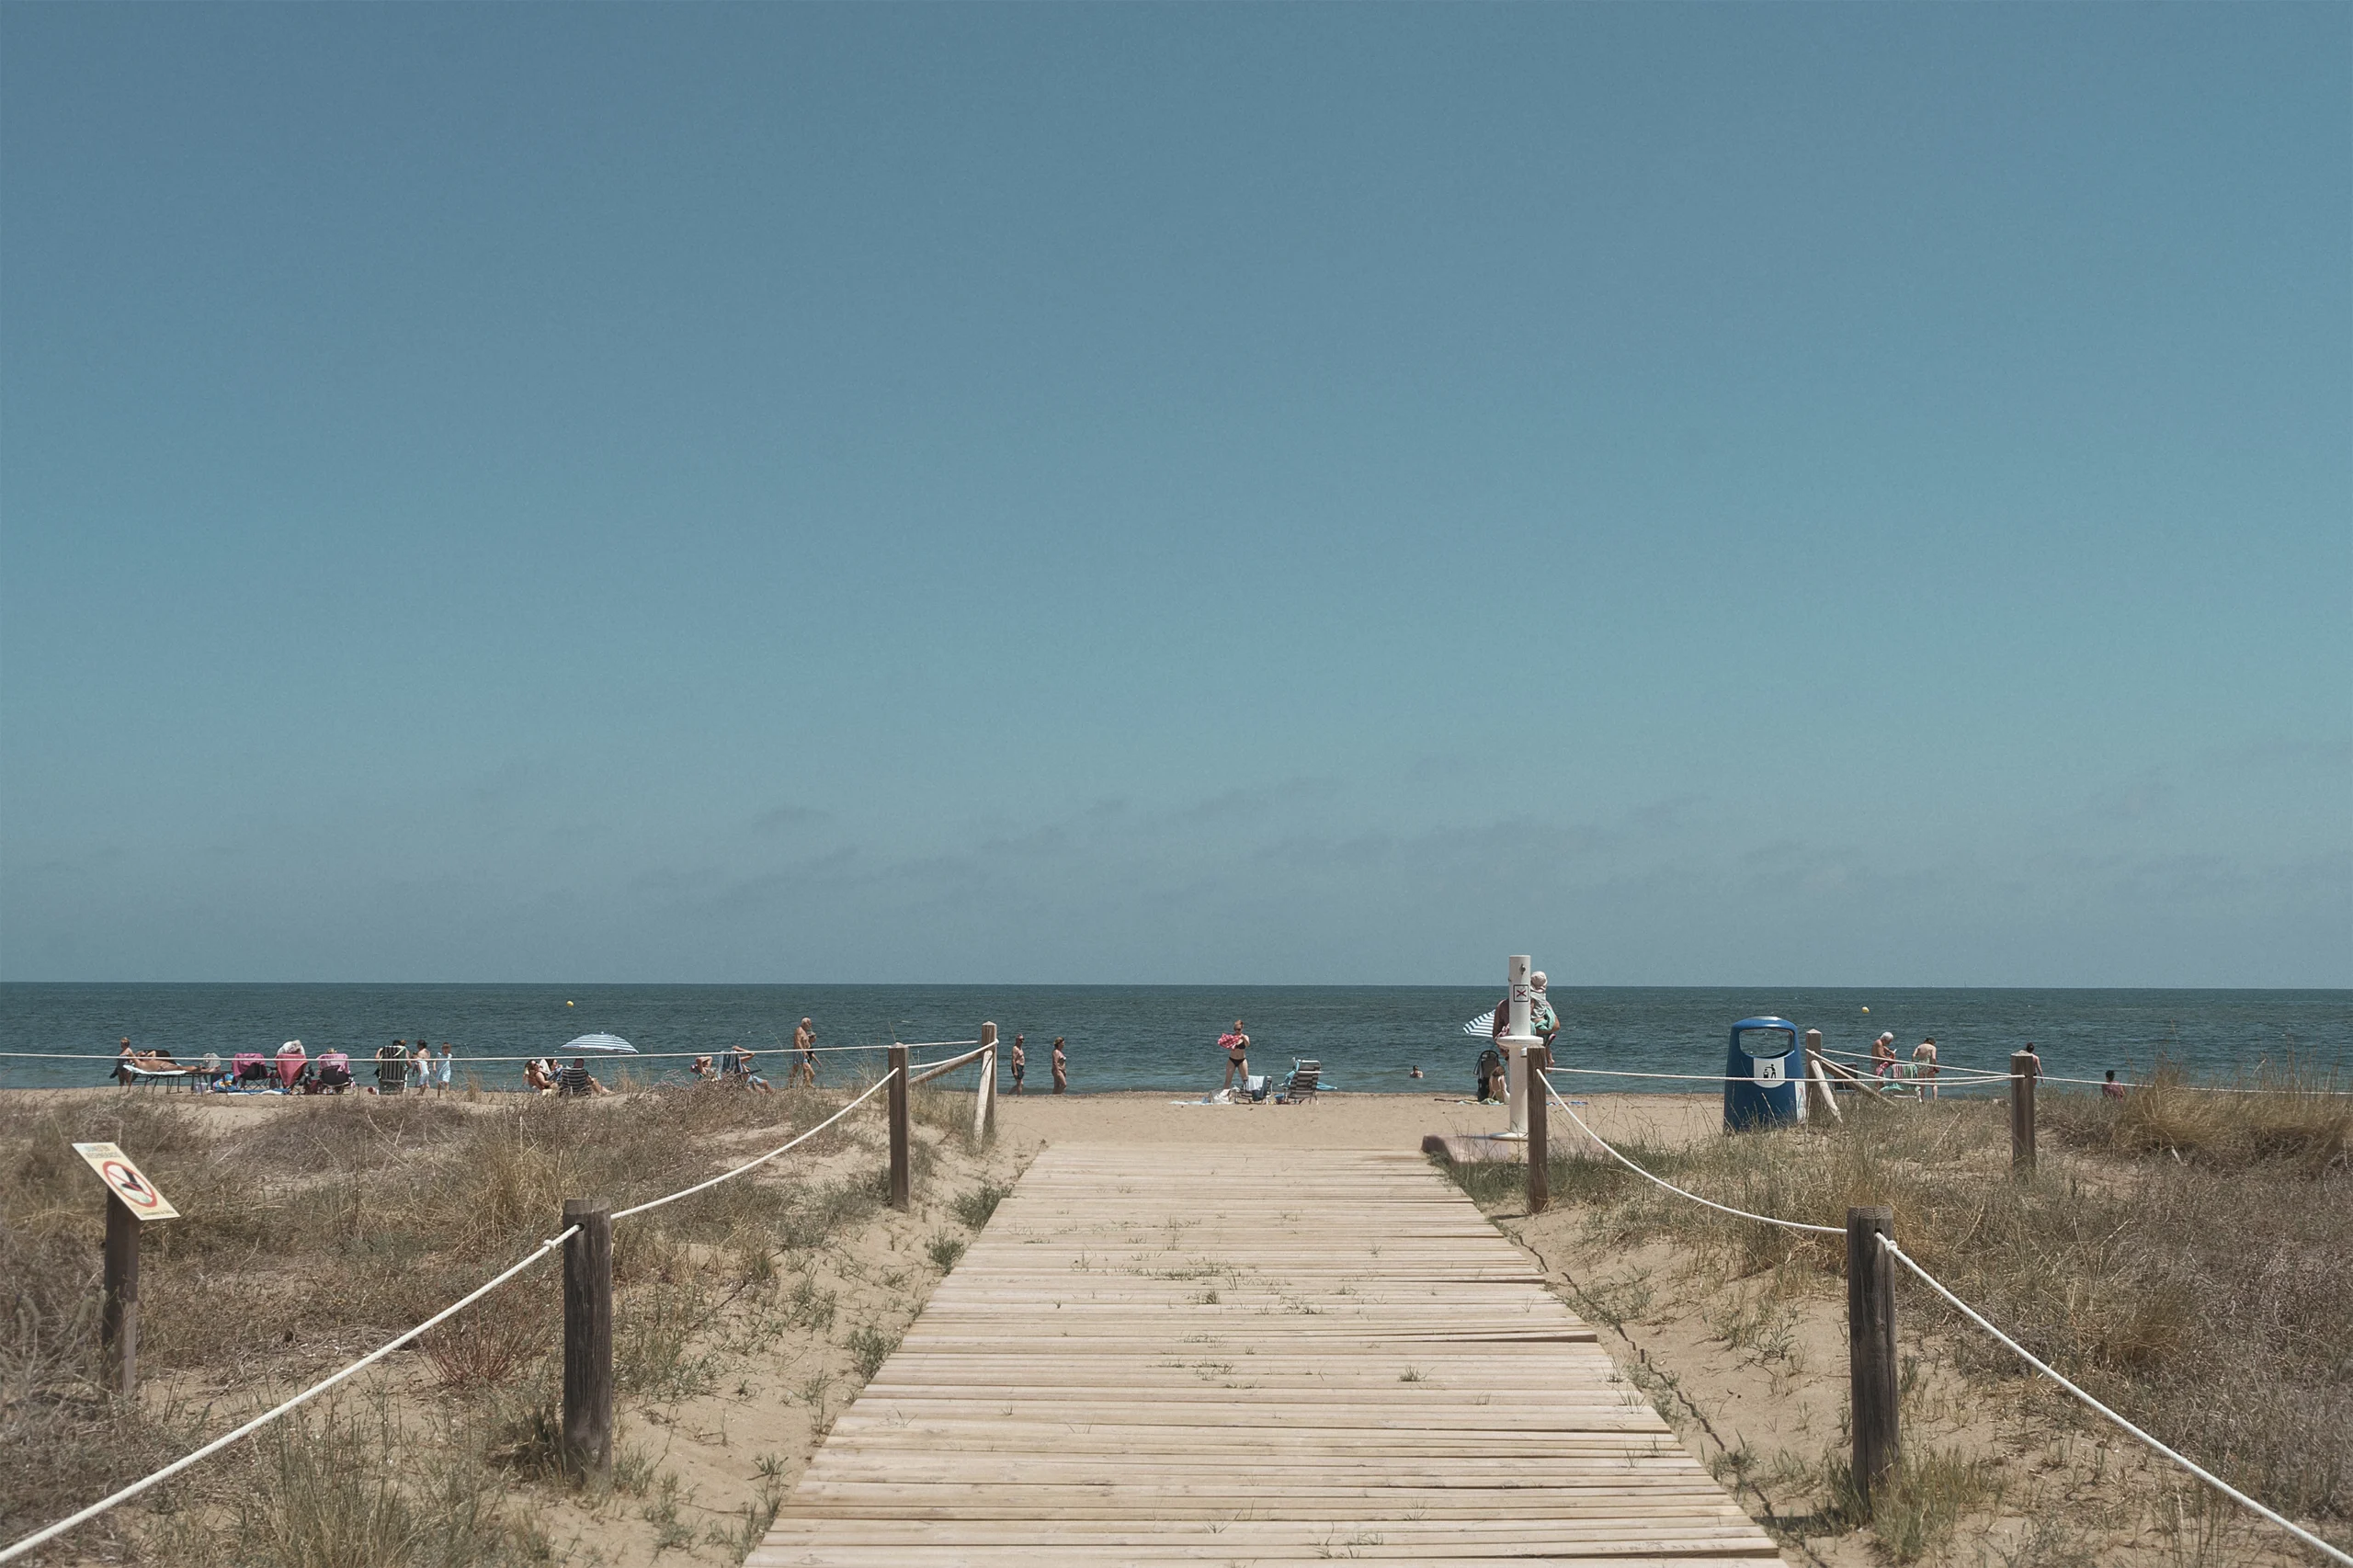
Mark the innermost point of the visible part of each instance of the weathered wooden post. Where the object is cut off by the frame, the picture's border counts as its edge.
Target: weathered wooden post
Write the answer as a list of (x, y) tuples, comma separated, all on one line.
[(131, 1201), (1539, 1169), (902, 1194), (2025, 1067), (588, 1338), (984, 1097), (1871, 1346), (118, 1307), (1817, 1082)]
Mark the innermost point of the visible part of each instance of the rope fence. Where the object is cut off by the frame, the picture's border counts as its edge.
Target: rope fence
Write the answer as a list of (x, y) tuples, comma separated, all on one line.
[(897, 1079), (1857, 1310)]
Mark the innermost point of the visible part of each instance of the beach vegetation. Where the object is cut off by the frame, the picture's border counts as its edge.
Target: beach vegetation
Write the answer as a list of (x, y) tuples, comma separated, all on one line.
[(316, 1229), (2186, 1255)]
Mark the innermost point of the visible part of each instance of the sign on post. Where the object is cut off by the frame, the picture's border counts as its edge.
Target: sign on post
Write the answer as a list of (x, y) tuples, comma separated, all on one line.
[(125, 1180)]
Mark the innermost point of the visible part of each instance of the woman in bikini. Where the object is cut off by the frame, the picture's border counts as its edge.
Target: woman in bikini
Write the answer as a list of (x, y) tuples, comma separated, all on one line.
[(1236, 1047)]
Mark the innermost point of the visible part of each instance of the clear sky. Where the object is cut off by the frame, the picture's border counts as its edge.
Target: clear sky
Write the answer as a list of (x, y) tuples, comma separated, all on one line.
[(1702, 495)]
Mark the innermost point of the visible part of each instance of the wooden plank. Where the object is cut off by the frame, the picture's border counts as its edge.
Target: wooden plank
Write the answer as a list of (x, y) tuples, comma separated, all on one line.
[(1245, 1356)]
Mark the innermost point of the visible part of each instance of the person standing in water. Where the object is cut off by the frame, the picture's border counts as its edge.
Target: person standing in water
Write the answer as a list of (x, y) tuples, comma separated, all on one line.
[(1062, 1068), (1236, 1047)]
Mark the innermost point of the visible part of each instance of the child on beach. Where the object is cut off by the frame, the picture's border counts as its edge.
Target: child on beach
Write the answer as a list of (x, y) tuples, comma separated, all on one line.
[(1062, 1068), (448, 1065)]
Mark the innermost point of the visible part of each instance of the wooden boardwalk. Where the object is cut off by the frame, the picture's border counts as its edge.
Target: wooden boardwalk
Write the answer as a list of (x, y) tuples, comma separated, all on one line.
[(1163, 1354)]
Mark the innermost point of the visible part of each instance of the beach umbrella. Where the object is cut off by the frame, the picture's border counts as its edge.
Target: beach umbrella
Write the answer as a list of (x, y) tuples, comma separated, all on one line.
[(611, 1044)]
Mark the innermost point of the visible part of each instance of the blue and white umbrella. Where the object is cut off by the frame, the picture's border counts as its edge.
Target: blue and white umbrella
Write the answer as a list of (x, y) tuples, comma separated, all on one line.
[(611, 1044)]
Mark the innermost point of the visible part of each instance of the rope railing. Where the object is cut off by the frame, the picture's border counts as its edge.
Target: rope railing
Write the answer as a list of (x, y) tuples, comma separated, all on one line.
[(2031, 1358), (145, 1482), (1866, 1058), (872, 1090), (11, 1553), (924, 1072), (1553, 1095), (1959, 1077), (1888, 1245)]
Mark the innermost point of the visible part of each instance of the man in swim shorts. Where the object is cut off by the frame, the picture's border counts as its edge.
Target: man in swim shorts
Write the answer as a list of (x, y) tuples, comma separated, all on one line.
[(1020, 1062)]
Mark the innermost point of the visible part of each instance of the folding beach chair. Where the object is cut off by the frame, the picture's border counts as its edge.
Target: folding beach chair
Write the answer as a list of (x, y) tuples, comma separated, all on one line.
[(1305, 1076)]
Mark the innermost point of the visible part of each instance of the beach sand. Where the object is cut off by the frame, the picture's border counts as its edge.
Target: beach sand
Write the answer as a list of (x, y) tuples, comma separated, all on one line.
[(1027, 1121), (1333, 1121)]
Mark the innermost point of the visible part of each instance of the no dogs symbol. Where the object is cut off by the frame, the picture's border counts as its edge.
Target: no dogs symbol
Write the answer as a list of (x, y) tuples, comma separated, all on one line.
[(126, 1181)]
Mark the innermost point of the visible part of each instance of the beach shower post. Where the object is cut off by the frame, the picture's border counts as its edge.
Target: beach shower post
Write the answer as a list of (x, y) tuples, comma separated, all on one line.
[(1516, 1041)]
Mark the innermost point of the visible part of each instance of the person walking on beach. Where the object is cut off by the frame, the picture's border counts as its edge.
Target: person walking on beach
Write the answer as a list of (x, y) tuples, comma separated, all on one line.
[(446, 1065), (1924, 1065), (421, 1067), (1236, 1047), (1062, 1068), (804, 1042), (1020, 1064)]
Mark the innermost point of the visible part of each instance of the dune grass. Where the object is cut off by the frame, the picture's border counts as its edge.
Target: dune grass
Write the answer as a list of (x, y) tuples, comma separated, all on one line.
[(2187, 1257), (326, 1225)]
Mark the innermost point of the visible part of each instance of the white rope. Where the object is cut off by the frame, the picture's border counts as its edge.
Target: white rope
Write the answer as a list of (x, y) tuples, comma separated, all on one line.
[(2209, 1477), (764, 1159), (2201, 1088), (1963, 1081), (1740, 1214), (214, 1447), (924, 1072)]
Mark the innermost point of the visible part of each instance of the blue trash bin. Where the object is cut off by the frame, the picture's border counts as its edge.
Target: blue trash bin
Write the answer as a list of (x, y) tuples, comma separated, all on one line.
[(1764, 1075)]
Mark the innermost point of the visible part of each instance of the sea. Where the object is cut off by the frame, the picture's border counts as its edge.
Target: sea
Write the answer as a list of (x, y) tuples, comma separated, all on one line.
[(1368, 1038)]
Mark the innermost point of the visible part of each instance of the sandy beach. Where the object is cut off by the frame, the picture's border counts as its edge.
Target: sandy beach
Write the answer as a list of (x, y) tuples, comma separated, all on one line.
[(1330, 1121), (1028, 1121)]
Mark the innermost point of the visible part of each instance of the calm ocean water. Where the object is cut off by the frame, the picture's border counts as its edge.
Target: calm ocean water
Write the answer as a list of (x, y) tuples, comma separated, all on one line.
[(1161, 1037)]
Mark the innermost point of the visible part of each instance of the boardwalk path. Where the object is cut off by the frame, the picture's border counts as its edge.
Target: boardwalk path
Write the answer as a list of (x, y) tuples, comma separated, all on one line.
[(1159, 1355)]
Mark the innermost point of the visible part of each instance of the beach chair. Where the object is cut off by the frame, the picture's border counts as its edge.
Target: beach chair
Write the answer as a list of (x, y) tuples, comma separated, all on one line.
[(1305, 1077), (335, 1072), (252, 1069), (1254, 1089)]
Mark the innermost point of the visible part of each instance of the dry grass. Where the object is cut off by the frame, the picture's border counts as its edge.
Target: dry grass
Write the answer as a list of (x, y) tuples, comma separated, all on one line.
[(315, 1232), (2188, 1257), (2289, 1121)]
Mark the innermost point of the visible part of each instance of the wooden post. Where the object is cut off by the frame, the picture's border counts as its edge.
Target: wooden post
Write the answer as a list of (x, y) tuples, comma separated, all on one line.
[(985, 1097), (588, 1339), (901, 1194), (2025, 1067), (1870, 1346), (118, 1307), (1539, 1169)]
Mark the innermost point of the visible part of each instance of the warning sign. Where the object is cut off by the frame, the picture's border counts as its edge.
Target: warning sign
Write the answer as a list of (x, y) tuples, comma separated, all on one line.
[(138, 1194)]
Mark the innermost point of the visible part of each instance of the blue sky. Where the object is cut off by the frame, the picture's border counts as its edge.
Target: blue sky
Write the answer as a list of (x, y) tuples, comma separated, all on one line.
[(1701, 495)]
